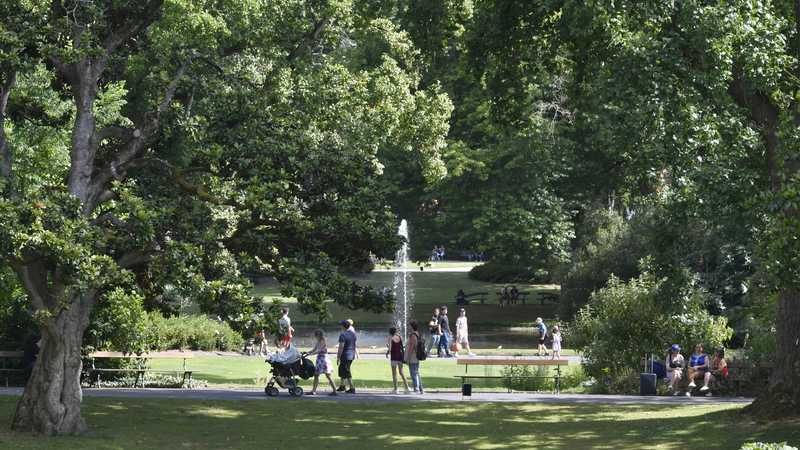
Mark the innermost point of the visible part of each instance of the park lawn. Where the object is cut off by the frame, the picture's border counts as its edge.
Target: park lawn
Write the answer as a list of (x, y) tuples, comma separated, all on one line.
[(430, 289), (250, 372), (306, 423)]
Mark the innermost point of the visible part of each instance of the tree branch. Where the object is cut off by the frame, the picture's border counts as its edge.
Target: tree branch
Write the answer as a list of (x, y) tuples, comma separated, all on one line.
[(6, 159), (134, 258), (131, 28), (33, 280), (760, 110), (310, 38)]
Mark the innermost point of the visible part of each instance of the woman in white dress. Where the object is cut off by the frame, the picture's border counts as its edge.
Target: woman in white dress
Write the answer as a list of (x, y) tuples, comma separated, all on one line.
[(462, 332)]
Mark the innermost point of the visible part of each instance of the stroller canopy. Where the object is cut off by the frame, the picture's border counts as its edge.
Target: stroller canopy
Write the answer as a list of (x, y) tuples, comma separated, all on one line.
[(288, 356)]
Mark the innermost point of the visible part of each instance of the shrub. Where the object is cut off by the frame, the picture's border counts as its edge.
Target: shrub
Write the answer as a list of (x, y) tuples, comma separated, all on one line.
[(193, 332), (625, 321)]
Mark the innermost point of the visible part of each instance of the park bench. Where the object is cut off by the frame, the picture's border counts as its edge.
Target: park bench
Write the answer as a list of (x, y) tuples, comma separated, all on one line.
[(547, 297), (472, 295), (7, 366), (140, 365), (741, 372), (511, 361)]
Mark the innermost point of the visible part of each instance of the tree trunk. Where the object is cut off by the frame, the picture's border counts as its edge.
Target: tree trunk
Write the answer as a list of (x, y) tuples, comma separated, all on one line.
[(782, 396), (51, 402)]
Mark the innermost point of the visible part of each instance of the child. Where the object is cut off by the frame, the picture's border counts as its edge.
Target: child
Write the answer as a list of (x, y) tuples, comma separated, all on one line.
[(556, 342), (394, 350), (323, 365)]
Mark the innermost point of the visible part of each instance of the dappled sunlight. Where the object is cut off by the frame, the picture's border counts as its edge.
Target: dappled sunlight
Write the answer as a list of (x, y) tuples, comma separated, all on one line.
[(217, 412)]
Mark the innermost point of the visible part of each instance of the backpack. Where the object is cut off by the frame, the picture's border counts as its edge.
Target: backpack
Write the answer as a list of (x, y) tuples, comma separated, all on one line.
[(422, 355)]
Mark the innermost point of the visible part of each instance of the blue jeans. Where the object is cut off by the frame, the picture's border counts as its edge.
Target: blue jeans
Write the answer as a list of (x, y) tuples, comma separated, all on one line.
[(415, 379), (433, 343), (444, 342)]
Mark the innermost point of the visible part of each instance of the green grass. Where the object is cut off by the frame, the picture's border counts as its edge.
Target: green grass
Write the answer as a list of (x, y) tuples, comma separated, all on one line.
[(235, 371), (305, 423), (435, 288)]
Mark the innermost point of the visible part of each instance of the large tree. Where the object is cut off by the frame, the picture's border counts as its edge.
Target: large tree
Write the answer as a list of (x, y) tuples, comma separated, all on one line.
[(177, 143)]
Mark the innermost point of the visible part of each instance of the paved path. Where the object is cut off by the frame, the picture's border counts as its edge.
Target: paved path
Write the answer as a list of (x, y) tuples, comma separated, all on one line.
[(382, 396)]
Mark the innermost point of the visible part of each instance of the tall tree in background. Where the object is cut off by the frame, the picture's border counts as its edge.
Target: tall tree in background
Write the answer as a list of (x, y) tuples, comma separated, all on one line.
[(177, 142)]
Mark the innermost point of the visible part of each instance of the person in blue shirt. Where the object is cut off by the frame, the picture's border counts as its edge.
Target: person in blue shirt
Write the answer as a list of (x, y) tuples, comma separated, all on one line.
[(542, 329), (698, 366)]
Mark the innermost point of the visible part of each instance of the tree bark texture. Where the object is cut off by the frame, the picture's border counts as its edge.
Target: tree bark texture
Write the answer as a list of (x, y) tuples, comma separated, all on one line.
[(781, 398), (51, 402)]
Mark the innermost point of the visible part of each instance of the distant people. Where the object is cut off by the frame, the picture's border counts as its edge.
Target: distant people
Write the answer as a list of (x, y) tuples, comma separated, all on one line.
[(462, 332), (556, 342), (30, 353), (260, 343), (411, 357), (541, 329), (675, 363), (345, 356), (285, 328), (461, 297), (505, 296), (396, 355), (513, 294), (717, 371), (442, 255), (444, 337), (698, 366), (323, 365), (436, 332)]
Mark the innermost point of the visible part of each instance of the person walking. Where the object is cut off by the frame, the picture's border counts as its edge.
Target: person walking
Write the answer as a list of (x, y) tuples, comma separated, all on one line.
[(411, 357), (542, 331), (396, 355), (345, 356), (323, 365), (462, 332), (556, 342), (285, 328), (444, 329), (436, 333)]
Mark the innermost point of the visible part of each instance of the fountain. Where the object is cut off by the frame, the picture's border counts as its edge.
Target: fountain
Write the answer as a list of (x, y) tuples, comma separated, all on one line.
[(402, 285)]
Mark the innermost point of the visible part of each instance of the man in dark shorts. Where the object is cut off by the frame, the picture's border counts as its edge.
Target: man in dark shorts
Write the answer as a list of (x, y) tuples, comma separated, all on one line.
[(345, 356)]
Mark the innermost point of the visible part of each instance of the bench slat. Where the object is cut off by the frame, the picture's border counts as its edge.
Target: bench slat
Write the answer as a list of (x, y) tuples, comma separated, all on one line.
[(511, 362), (153, 355), (11, 354)]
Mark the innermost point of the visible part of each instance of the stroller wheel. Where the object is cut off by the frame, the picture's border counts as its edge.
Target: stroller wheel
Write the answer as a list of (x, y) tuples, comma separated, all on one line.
[(296, 391), (271, 391)]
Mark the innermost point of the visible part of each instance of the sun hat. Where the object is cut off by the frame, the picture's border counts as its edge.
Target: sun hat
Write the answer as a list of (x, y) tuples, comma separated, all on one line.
[(675, 348), (350, 321), (538, 320), (344, 323)]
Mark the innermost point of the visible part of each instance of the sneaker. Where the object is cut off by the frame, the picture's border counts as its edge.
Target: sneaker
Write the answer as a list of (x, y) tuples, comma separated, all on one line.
[(421, 392), (312, 393), (394, 391), (691, 385), (688, 394), (406, 392), (704, 388), (709, 394), (471, 354), (340, 389), (416, 391), (351, 391), (676, 393)]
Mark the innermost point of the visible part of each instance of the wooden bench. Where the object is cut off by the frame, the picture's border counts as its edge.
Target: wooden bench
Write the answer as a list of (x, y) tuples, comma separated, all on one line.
[(480, 295), (140, 365), (547, 297), (522, 297), (740, 372), (6, 366), (511, 361)]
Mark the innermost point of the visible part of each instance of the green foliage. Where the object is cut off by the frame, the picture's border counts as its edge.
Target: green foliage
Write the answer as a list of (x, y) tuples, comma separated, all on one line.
[(539, 378), (767, 446), (625, 321), (191, 333), (16, 320)]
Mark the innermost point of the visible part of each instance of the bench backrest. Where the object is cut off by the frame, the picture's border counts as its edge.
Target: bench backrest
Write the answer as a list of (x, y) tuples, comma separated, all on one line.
[(511, 362), (11, 354)]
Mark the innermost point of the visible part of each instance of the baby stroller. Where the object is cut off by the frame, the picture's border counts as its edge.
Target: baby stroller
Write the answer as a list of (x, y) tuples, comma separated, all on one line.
[(286, 367)]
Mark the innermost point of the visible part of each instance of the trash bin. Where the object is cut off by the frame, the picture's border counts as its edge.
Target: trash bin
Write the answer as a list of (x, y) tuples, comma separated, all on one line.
[(466, 390)]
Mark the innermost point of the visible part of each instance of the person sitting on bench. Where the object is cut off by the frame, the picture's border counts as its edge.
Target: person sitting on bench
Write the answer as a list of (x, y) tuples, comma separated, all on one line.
[(698, 366), (674, 364), (461, 298), (718, 369)]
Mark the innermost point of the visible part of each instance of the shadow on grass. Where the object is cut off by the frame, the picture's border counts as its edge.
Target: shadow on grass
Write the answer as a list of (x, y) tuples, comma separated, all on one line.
[(305, 423)]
